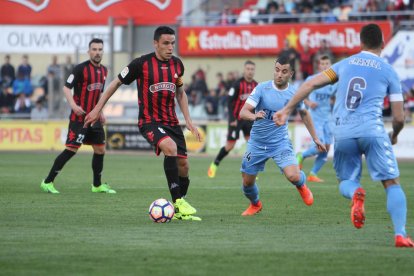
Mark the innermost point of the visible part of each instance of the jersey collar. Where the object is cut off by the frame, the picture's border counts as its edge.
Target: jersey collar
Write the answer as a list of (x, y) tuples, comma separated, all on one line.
[(274, 86)]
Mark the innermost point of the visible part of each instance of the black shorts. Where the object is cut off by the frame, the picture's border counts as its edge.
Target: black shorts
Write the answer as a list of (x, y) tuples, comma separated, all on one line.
[(154, 133), (233, 133), (78, 135)]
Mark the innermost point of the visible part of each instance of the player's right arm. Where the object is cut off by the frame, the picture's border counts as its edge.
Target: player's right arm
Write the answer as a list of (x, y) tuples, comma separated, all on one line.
[(304, 90), (74, 78), (233, 93), (127, 75), (248, 110)]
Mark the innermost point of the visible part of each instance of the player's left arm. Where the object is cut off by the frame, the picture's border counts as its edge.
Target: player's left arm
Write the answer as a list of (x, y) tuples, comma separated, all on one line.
[(307, 120), (182, 101), (303, 92)]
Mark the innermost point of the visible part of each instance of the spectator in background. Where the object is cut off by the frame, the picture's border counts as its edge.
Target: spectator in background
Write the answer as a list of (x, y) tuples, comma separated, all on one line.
[(39, 112), (6, 99), (54, 68), (68, 67), (306, 62), (226, 16), (221, 84), (327, 15), (22, 105), (25, 68), (324, 50), (8, 73), (211, 105), (22, 85)]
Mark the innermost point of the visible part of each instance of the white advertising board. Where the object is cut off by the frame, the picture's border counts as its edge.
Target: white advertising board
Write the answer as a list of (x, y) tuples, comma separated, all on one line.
[(54, 39)]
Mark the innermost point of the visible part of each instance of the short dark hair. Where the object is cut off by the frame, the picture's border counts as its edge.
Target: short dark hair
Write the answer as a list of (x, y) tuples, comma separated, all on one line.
[(249, 62), (95, 40), (286, 60), (324, 57), (371, 36), (162, 30)]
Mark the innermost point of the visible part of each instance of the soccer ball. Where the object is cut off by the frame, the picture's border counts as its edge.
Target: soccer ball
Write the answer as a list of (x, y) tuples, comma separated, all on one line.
[(161, 210)]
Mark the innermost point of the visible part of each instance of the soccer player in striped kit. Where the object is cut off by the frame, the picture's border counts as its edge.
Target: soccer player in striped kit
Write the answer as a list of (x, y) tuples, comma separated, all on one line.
[(238, 94), (159, 77), (87, 81)]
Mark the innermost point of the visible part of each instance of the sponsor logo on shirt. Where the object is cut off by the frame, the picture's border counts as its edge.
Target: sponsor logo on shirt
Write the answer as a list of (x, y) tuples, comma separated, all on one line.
[(95, 86), (163, 86)]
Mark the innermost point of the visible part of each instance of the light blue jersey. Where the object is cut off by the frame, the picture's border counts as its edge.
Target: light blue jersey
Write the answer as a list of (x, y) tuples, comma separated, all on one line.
[(266, 139), (364, 80), (268, 98), (322, 96)]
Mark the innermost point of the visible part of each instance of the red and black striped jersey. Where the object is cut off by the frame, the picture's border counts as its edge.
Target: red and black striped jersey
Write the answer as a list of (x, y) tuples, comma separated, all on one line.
[(88, 82), (157, 82), (238, 94)]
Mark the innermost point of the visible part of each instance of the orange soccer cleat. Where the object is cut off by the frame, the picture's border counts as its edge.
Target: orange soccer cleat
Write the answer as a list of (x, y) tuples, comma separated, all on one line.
[(358, 210), (306, 194), (314, 178), (253, 209), (401, 241)]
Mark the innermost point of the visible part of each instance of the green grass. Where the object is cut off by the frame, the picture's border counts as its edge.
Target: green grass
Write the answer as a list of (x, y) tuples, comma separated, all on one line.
[(80, 233)]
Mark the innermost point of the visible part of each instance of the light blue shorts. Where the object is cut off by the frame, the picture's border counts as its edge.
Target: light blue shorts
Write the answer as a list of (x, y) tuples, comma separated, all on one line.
[(379, 156), (256, 156)]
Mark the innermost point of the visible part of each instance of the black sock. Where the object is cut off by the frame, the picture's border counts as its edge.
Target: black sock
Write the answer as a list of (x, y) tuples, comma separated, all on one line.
[(184, 183), (60, 161), (97, 166), (171, 172), (222, 153)]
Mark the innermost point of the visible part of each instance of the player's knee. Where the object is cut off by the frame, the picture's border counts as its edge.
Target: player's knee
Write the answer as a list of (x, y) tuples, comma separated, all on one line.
[(293, 177), (168, 147)]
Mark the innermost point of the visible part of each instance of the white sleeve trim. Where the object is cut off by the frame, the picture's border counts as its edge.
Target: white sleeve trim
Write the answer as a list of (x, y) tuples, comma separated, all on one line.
[(396, 98), (251, 102), (231, 92)]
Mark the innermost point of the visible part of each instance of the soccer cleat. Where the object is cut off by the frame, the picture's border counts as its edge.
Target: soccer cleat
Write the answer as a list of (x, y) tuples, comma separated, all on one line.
[(183, 207), (48, 187), (179, 216), (358, 210), (212, 170), (306, 194), (103, 188), (253, 209), (401, 241), (299, 158), (314, 178)]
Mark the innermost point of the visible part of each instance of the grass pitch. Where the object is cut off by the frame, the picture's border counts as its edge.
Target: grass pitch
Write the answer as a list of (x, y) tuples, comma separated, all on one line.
[(80, 233)]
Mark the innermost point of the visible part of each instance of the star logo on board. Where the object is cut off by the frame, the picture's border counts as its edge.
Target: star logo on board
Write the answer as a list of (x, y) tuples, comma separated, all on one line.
[(192, 41), (292, 37)]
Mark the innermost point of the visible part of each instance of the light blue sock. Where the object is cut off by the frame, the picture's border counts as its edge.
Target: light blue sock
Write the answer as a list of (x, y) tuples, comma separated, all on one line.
[(319, 162), (310, 152), (397, 208), (252, 193), (348, 187), (301, 180)]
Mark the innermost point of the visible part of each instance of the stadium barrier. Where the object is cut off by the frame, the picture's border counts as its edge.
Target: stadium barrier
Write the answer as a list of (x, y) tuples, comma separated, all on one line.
[(28, 135)]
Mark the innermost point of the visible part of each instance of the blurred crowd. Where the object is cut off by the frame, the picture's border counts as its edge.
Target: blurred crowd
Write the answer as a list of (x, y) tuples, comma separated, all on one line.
[(26, 97), (307, 11)]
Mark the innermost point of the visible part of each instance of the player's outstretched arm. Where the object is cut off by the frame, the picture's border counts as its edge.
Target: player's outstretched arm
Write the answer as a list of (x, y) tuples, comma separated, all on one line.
[(247, 113), (397, 109), (95, 114), (307, 120), (182, 101), (304, 90)]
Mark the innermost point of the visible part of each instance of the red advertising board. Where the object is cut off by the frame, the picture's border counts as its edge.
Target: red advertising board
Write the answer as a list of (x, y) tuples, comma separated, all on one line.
[(88, 12), (248, 40)]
